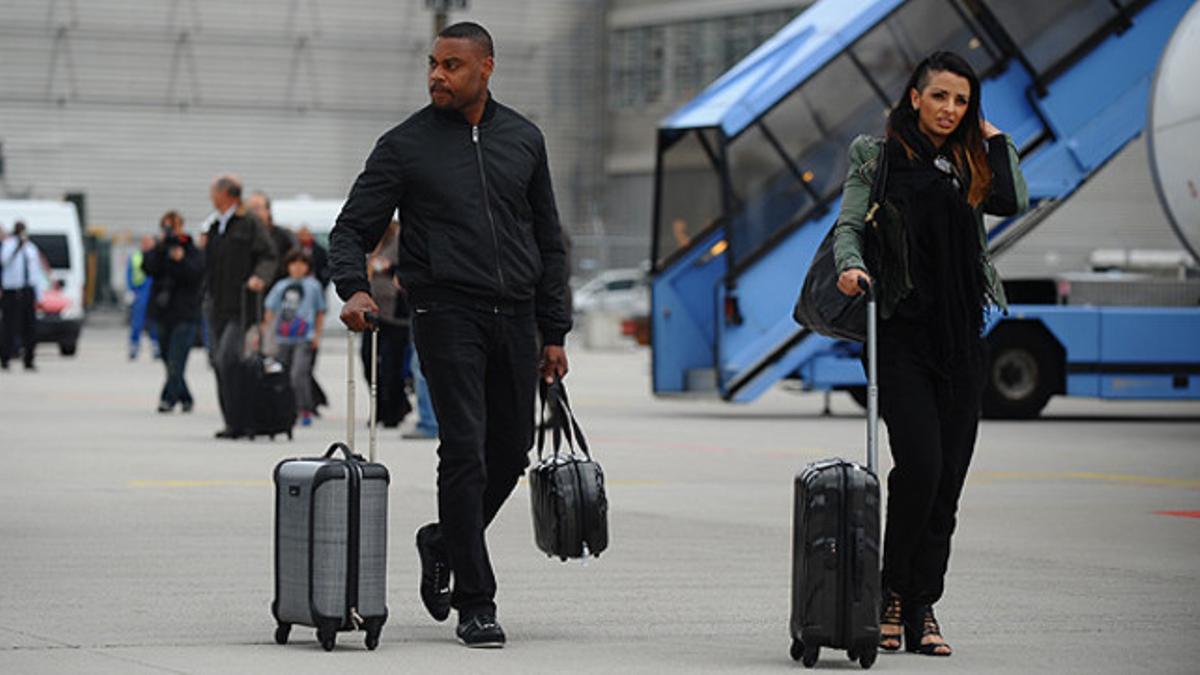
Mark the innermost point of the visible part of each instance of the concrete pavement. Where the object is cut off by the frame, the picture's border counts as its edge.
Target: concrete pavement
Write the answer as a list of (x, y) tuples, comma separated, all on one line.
[(132, 542)]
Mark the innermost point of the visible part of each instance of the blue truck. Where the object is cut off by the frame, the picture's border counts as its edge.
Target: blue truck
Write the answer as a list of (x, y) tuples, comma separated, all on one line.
[(748, 180)]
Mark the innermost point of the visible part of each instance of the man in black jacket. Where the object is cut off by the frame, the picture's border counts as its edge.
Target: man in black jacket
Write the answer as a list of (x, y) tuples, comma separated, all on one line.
[(481, 257), (239, 256)]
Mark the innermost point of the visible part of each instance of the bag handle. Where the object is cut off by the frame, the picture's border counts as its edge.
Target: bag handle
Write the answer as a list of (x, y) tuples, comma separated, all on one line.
[(346, 451), (564, 424)]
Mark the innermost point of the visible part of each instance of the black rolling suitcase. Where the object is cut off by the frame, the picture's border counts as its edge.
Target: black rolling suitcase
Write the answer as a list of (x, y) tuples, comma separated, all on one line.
[(570, 506), (835, 548), (331, 538), (263, 401)]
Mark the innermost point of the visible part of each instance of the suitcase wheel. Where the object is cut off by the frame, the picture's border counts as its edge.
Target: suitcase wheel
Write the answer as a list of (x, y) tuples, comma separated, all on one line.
[(281, 633), (867, 659), (289, 434), (810, 656), (327, 641), (372, 640), (797, 650)]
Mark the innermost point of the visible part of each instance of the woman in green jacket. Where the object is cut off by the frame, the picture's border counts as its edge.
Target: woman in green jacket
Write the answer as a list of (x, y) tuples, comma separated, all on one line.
[(946, 167)]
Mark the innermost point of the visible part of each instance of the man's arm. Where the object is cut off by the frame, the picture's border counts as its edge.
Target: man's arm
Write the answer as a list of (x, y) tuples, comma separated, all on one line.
[(553, 315), (364, 219), (262, 252)]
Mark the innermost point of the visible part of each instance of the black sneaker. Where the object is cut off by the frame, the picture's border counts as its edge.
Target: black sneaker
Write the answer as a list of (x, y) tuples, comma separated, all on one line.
[(481, 631), (435, 572)]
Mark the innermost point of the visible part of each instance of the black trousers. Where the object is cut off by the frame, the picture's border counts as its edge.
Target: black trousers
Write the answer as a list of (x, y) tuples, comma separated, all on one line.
[(482, 371), (932, 418), (20, 322), (227, 343)]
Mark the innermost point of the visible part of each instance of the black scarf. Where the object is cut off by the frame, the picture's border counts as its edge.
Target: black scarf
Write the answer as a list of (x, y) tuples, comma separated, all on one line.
[(930, 192)]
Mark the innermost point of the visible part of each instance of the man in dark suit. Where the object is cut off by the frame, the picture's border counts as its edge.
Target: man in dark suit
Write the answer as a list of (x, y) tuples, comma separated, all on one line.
[(239, 257), (259, 204)]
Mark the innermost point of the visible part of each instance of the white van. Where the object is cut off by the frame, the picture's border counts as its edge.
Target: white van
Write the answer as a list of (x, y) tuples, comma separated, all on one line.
[(54, 227)]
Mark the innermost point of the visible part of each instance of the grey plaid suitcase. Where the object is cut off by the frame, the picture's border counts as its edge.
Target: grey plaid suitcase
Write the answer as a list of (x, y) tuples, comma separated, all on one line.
[(331, 538)]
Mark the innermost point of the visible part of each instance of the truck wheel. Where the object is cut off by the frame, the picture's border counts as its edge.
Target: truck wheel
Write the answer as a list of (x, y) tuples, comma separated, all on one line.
[(1021, 376), (67, 348)]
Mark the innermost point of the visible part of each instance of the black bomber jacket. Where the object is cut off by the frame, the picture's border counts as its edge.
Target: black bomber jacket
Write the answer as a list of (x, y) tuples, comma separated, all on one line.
[(477, 212)]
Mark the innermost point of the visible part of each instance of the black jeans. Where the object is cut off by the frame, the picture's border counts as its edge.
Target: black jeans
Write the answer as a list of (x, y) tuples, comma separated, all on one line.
[(482, 371), (176, 340), (932, 418), (20, 321)]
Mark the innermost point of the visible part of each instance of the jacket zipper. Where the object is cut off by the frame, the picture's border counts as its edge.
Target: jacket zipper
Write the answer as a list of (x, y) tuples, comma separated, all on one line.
[(487, 206)]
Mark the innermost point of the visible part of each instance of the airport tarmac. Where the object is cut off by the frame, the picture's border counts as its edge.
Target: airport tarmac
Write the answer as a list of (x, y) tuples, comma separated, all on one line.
[(133, 542)]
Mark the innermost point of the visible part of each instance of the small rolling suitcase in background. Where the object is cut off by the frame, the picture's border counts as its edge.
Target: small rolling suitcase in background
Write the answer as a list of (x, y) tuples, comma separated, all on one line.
[(331, 537), (570, 507), (835, 547), (264, 403)]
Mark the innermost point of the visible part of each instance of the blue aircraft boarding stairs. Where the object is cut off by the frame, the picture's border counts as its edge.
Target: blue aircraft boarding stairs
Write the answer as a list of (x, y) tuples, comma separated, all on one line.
[(759, 156)]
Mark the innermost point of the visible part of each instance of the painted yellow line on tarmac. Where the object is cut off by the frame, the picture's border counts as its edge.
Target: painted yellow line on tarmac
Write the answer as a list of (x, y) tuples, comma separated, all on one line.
[(1154, 481), (198, 483)]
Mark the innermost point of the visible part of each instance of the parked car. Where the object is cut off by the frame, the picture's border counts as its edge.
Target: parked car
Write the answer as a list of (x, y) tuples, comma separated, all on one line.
[(624, 292), (54, 227)]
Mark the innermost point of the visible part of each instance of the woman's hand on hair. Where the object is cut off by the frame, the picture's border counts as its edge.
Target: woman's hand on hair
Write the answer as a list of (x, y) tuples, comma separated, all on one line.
[(848, 281), (989, 130)]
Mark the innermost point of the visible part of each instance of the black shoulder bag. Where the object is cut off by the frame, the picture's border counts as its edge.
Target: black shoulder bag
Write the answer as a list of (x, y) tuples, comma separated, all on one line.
[(823, 308)]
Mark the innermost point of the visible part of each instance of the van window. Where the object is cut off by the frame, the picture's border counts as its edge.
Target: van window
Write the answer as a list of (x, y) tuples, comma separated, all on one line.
[(55, 248), (621, 285)]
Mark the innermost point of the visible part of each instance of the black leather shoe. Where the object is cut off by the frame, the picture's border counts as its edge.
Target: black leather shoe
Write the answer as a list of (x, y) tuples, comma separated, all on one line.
[(186, 406), (435, 572), (228, 434), (164, 407), (481, 632)]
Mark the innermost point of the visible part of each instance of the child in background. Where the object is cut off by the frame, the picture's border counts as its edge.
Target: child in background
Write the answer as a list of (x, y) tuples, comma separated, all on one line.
[(296, 315)]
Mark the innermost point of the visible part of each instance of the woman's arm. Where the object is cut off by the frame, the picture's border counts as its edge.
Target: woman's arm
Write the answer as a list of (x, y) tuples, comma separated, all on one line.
[(1009, 194)]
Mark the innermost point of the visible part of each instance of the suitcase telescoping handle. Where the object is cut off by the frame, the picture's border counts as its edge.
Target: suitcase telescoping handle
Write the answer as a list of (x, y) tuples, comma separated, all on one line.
[(872, 381), (372, 442)]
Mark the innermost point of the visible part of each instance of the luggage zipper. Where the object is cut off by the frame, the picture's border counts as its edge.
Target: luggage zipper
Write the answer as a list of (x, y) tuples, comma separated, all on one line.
[(487, 205), (352, 543)]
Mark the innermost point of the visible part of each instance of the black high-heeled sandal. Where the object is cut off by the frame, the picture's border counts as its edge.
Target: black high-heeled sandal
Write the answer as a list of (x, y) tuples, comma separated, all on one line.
[(919, 624), (890, 615)]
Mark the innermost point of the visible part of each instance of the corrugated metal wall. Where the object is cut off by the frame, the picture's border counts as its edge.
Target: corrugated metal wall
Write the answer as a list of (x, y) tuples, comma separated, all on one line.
[(139, 104)]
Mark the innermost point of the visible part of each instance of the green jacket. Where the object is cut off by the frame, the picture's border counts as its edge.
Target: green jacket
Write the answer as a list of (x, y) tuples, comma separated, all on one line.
[(851, 224)]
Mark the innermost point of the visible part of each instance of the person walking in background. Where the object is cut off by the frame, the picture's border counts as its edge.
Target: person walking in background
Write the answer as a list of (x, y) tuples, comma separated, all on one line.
[(317, 253), (176, 266), (392, 399), (320, 266), (296, 318), (482, 260), (140, 285), (946, 166), (239, 257), (426, 427), (259, 204), (22, 282)]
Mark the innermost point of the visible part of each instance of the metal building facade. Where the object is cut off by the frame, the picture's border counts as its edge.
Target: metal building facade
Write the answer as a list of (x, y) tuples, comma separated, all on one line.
[(139, 104)]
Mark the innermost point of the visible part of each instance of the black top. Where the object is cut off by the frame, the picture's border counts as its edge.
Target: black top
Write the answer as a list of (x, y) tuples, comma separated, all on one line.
[(177, 284), (244, 249), (480, 222)]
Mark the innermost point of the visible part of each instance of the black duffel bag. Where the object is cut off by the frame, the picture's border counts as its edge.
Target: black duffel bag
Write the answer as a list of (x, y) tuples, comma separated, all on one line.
[(821, 307), (570, 507)]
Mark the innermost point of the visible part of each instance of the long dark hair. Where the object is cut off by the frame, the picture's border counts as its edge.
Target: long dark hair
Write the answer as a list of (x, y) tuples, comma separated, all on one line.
[(965, 143)]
